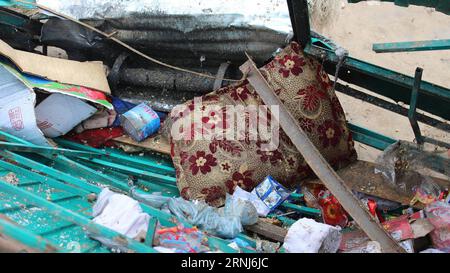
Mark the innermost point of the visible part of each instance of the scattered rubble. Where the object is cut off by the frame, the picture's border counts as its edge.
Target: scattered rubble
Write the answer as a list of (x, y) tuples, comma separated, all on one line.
[(131, 186)]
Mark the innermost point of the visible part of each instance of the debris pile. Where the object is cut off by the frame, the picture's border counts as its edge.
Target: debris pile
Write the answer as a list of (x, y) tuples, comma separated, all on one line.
[(141, 175)]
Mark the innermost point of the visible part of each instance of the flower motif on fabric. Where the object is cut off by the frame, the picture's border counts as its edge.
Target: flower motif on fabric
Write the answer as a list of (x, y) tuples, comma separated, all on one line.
[(183, 157), (202, 162), (215, 118), (295, 47), (323, 78), (291, 162), (242, 179), (185, 193), (307, 124), (241, 92), (212, 194), (291, 64), (310, 97), (269, 156), (172, 148), (225, 166), (231, 147), (329, 133), (196, 131), (336, 108)]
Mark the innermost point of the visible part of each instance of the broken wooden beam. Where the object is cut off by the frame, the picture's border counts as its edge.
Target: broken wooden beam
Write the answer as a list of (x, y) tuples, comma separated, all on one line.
[(268, 230)]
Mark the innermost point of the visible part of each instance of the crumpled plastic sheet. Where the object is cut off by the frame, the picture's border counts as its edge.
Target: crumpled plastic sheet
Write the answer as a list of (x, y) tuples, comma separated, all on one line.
[(226, 222), (155, 200), (438, 213), (406, 167)]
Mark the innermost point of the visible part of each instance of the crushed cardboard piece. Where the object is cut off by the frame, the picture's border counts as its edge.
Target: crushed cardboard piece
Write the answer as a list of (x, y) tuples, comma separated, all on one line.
[(421, 228), (17, 115), (88, 74), (58, 114), (41, 84)]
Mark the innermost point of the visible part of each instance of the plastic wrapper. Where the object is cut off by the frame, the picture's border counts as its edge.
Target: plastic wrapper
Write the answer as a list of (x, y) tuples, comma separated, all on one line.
[(155, 200), (263, 246), (260, 206), (319, 197), (438, 213), (356, 241), (432, 250), (226, 222), (271, 193), (406, 166), (426, 192), (382, 204), (309, 236), (182, 240), (332, 211)]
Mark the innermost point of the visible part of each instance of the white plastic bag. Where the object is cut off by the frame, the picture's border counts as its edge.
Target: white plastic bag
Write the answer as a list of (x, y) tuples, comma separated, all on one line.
[(120, 213), (309, 236)]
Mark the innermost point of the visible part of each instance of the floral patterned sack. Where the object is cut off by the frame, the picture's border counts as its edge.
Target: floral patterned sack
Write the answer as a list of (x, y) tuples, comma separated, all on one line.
[(207, 169)]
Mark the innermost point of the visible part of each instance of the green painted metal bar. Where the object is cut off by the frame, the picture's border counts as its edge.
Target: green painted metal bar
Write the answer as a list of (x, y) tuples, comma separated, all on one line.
[(369, 137), (26, 237), (9, 18), (49, 171), (301, 209), (73, 217), (117, 157), (152, 224), (413, 104), (65, 164), (16, 147), (412, 46), (165, 218), (133, 171), (297, 196), (154, 185), (433, 98), (21, 3), (43, 179), (286, 220), (4, 136)]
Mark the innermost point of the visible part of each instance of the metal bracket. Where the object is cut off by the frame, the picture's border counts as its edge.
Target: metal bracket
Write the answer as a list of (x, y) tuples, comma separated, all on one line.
[(299, 14), (413, 106)]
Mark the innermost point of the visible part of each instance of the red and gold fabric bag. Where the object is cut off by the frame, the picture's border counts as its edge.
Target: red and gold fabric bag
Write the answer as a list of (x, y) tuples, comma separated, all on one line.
[(206, 169)]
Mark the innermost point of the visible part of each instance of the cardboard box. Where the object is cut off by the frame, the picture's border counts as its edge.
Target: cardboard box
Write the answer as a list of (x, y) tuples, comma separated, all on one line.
[(58, 114), (17, 115), (87, 74)]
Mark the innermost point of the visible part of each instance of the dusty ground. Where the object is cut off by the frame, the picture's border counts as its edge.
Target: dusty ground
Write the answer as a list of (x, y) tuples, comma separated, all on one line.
[(360, 25)]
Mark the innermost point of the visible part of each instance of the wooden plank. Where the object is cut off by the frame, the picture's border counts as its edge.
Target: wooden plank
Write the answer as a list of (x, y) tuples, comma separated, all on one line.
[(157, 143), (268, 230)]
